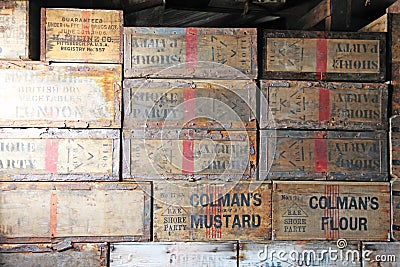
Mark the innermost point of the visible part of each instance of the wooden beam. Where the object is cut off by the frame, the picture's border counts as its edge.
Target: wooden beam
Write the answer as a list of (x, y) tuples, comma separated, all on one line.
[(394, 8), (340, 17), (319, 13)]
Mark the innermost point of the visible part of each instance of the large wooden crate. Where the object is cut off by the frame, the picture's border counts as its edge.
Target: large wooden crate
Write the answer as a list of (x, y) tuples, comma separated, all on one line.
[(330, 211), (207, 104), (184, 154), (333, 56), (323, 105), (81, 212), (50, 255), (395, 233), (382, 254), (59, 155), (323, 155), (174, 254), (190, 52), (35, 94), (211, 211), (81, 35)]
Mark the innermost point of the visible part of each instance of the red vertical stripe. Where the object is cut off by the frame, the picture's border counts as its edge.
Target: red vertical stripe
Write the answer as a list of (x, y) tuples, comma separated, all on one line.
[(208, 212), (321, 57), (220, 210), (189, 105), (191, 47), (86, 32), (324, 105), (320, 152), (53, 213), (51, 155)]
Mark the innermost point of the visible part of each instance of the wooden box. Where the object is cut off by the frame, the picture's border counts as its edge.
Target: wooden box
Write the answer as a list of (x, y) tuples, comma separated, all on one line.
[(36, 94), (395, 233), (174, 254), (332, 56), (323, 155), (382, 254), (330, 211), (211, 211), (50, 255), (207, 104), (189, 153), (224, 53), (82, 212), (81, 35), (323, 105), (59, 155)]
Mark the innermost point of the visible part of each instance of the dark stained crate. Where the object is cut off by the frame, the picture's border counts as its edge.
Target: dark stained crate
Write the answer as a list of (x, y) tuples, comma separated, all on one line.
[(395, 230), (382, 254)]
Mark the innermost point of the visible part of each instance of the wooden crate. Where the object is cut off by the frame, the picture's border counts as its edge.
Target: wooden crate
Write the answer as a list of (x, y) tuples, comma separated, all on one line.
[(322, 105), (299, 253), (382, 254), (184, 154), (50, 255), (174, 254), (332, 56), (323, 155), (395, 233), (59, 155), (35, 94), (330, 210), (225, 53), (81, 212), (81, 35), (211, 211)]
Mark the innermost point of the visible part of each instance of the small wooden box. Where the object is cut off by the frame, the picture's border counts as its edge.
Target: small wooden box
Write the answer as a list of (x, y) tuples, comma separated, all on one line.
[(382, 254)]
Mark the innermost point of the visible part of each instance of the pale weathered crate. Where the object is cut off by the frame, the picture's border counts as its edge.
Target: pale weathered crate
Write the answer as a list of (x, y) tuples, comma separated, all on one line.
[(158, 154), (82, 212), (50, 255), (382, 254), (323, 105), (395, 196), (59, 154), (203, 211), (81, 35), (225, 53), (207, 104), (331, 210), (332, 56), (36, 94), (218, 254), (323, 155)]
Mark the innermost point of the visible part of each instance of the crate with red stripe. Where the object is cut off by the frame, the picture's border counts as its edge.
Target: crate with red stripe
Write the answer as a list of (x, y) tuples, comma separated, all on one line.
[(224, 53), (323, 155), (311, 210), (395, 231), (203, 211), (332, 56), (383, 254), (81, 35), (43, 212), (189, 154), (323, 105)]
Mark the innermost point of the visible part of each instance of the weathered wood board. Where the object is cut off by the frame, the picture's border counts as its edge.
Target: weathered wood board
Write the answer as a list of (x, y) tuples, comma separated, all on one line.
[(49, 255), (213, 53), (207, 104), (35, 94), (332, 56), (323, 105), (199, 211), (81, 35), (299, 253), (59, 154), (331, 210), (394, 146), (174, 254), (394, 39), (378, 25), (382, 254), (83, 212), (395, 186), (187, 153), (323, 155)]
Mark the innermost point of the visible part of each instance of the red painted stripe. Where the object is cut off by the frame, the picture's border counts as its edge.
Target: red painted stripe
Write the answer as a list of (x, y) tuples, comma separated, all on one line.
[(191, 47), (208, 212), (322, 58), (220, 211), (189, 105), (51, 155), (324, 105), (53, 213), (320, 152)]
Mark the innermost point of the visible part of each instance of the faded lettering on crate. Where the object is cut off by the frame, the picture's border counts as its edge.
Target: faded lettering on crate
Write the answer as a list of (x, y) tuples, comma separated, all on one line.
[(174, 254), (331, 210), (322, 105), (308, 155), (382, 254), (211, 211), (395, 210), (81, 35)]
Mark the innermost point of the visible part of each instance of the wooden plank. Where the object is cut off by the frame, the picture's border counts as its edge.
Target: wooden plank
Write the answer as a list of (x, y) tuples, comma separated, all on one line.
[(340, 19), (174, 254), (206, 104), (395, 230), (211, 211), (81, 212), (378, 25), (189, 153), (394, 8), (47, 255), (394, 38), (383, 254), (331, 56), (319, 155), (212, 53), (81, 35), (323, 105), (320, 12), (35, 94), (59, 155), (330, 211), (394, 146)]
